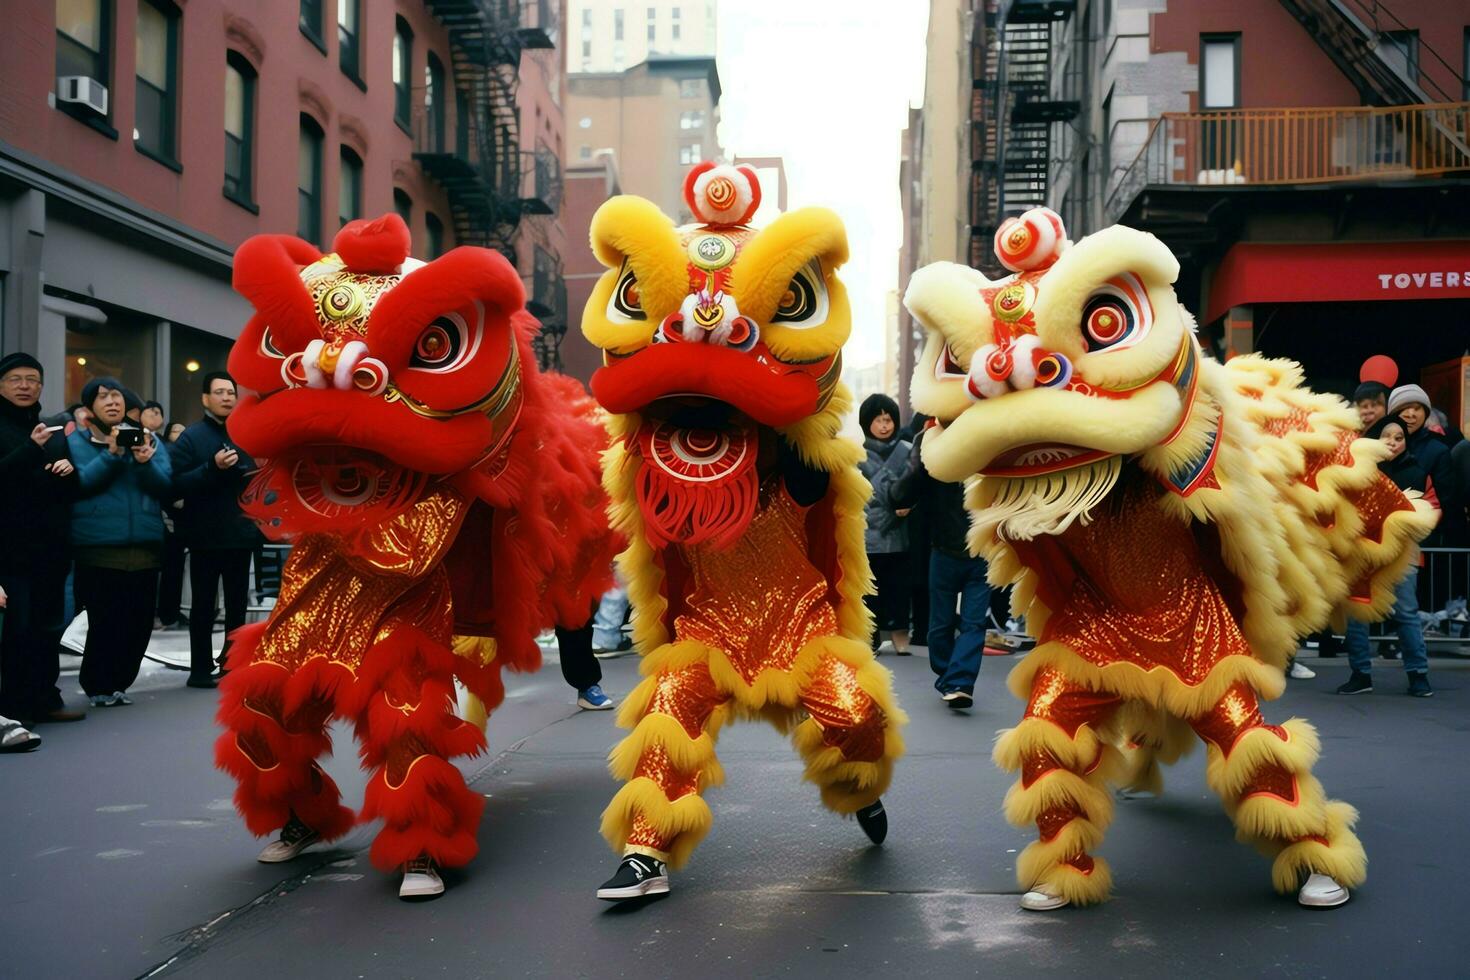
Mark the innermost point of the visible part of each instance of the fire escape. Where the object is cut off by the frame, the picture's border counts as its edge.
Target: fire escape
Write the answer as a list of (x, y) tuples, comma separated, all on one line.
[(1012, 112), (1353, 34), (491, 183)]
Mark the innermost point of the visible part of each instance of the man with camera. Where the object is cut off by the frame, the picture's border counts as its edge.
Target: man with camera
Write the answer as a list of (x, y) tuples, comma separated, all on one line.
[(37, 483), (210, 475), (117, 534)]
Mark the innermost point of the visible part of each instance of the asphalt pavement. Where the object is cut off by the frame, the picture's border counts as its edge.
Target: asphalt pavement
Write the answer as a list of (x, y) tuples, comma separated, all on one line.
[(123, 857)]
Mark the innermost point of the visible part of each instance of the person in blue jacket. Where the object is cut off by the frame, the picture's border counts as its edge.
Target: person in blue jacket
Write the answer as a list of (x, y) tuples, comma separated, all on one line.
[(117, 539)]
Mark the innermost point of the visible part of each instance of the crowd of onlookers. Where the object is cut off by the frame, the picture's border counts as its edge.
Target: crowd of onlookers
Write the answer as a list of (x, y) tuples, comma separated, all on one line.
[(98, 507)]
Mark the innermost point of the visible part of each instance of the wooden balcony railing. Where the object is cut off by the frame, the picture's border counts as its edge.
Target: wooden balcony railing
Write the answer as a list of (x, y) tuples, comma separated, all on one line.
[(1297, 146)]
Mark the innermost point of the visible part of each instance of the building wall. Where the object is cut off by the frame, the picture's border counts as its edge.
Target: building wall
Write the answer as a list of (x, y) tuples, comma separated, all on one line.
[(595, 47), (911, 201), (945, 166), (134, 254), (541, 99), (636, 114), (587, 187)]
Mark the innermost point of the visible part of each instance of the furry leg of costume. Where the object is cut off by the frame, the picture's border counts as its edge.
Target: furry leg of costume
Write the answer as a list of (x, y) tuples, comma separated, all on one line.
[(668, 759), (850, 738), (1263, 774), (1063, 758), (408, 732), (274, 724)]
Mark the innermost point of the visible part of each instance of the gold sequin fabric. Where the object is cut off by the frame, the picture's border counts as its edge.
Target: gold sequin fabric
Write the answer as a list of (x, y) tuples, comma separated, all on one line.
[(1141, 594), (850, 720), (1235, 713), (760, 600), (687, 695), (1069, 706), (339, 595)]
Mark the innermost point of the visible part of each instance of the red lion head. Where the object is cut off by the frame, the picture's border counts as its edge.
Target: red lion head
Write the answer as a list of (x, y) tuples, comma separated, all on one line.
[(371, 373)]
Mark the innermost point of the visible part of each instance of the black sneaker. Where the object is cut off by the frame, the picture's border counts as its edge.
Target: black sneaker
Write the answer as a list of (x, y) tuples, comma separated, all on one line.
[(1357, 683), (1419, 684), (637, 876), (874, 821), (958, 700)]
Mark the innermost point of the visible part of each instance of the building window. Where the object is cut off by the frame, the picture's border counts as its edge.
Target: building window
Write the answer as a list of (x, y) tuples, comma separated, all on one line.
[(692, 120), (347, 48), (652, 32), (239, 128), (587, 18), (689, 154), (617, 25), (674, 27), (311, 20), (402, 73), (1401, 50), (585, 152), (691, 88), (349, 189), (403, 204), (82, 40), (586, 50), (309, 182), (434, 231), (1219, 69), (434, 114), (157, 94)]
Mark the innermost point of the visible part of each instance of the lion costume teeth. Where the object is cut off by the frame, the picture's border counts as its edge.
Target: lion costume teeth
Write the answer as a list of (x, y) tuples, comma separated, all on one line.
[(1170, 525)]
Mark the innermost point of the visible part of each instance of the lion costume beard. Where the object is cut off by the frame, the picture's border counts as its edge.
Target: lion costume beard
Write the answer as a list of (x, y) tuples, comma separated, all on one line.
[(1022, 508)]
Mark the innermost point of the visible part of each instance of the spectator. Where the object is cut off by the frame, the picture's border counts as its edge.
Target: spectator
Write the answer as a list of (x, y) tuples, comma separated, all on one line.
[(1371, 400), (117, 531), (210, 475), (1407, 474), (1432, 452), (608, 638), (37, 484), (886, 536), (918, 528), (81, 418), (175, 429), (152, 418), (14, 737), (955, 577)]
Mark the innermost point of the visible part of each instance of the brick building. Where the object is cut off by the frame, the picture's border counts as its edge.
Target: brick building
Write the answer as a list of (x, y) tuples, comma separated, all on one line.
[(142, 140)]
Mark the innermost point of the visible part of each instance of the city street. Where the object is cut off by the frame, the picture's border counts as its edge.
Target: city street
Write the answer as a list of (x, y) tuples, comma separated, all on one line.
[(124, 858)]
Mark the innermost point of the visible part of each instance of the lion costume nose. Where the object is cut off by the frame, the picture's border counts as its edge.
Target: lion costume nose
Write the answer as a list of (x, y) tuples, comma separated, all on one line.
[(343, 366)]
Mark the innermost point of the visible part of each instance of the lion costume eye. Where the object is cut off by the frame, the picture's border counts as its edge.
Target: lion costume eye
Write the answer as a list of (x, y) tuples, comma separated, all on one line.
[(626, 304), (1117, 314), (804, 304), (448, 342), (267, 346)]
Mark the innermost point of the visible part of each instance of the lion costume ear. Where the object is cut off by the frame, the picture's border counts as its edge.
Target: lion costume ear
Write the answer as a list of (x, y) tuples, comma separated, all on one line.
[(268, 274)]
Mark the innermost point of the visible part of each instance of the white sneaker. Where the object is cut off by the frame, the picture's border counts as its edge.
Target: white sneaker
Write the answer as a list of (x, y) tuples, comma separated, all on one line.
[(421, 880), (1322, 892), (1038, 900), (295, 838), (1301, 672)]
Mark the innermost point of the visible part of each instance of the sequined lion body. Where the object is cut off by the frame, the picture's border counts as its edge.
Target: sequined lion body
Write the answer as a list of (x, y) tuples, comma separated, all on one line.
[(442, 501), (1170, 524), (741, 505)]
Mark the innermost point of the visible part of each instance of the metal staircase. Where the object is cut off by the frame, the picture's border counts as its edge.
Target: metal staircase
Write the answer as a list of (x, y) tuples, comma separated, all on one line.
[(483, 170), (1012, 112)]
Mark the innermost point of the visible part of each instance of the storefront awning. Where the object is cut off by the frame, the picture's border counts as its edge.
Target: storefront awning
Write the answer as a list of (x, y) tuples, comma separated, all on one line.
[(1259, 273)]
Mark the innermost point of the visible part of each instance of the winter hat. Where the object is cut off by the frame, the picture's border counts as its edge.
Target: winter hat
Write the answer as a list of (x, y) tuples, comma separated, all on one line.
[(872, 407), (1407, 395), (20, 359), (1375, 431), (1370, 389), (90, 389)]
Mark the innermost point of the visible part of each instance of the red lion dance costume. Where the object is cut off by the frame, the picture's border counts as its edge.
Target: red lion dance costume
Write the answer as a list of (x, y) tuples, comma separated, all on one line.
[(742, 507), (1170, 524), (442, 501)]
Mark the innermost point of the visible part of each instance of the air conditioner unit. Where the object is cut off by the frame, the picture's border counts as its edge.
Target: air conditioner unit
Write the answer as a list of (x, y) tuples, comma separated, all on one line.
[(82, 90)]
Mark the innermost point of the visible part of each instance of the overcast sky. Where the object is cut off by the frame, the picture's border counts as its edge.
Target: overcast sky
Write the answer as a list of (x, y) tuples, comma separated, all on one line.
[(826, 84)]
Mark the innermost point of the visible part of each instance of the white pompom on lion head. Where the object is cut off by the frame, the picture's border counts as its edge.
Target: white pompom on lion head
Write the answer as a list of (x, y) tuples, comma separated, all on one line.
[(722, 195)]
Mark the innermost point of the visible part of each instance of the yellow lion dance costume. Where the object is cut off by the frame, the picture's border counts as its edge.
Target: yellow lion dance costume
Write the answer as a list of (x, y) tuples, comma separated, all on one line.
[(742, 508), (1171, 525)]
